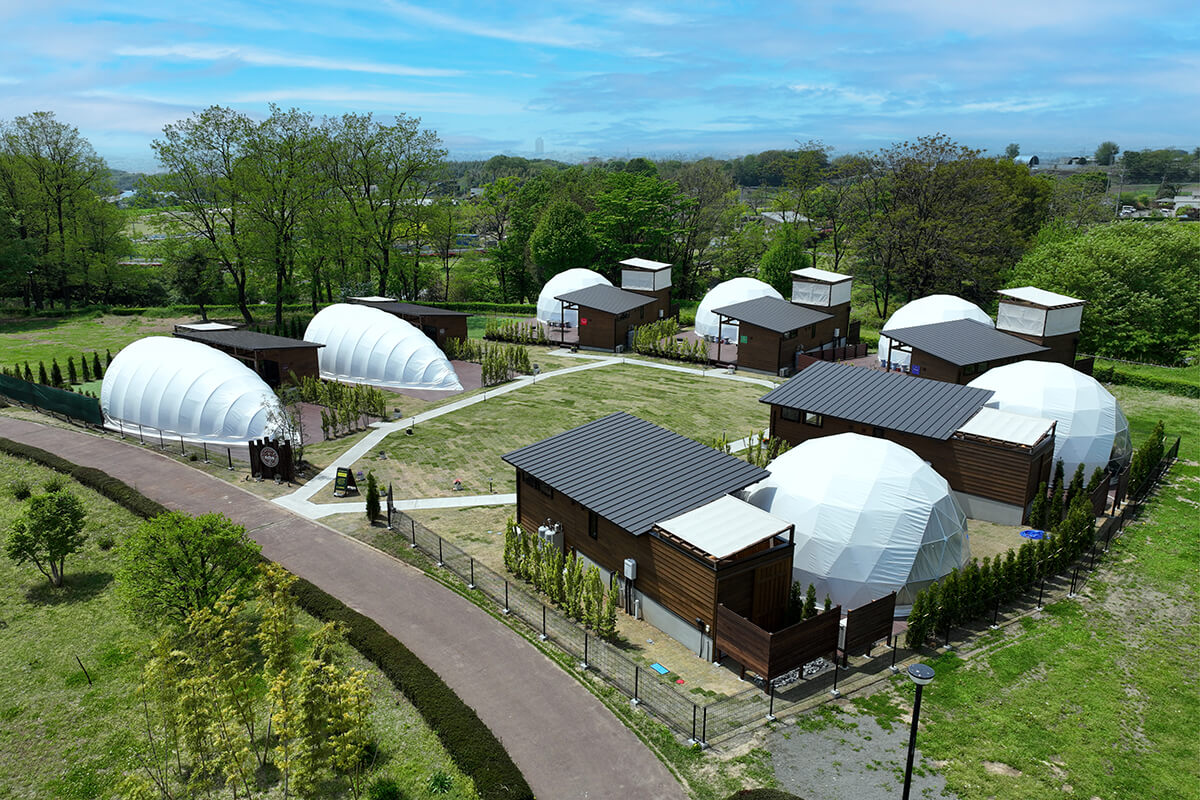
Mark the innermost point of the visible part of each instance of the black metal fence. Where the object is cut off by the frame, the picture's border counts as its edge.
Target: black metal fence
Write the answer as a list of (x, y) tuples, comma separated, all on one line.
[(701, 718)]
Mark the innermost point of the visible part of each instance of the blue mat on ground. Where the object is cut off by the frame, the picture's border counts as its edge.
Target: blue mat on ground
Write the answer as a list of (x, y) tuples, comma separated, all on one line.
[(1032, 534), (659, 668)]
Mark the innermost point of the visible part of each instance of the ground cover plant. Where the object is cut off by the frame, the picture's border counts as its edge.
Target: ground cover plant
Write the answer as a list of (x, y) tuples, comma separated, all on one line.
[(1097, 698), (68, 733), (467, 444)]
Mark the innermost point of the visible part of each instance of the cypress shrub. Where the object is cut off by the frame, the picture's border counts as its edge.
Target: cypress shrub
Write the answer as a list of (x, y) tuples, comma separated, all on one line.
[(72, 375), (56, 376), (810, 602), (372, 498), (28, 373), (83, 365), (108, 359), (1037, 514), (42, 378), (1075, 487), (1055, 513), (96, 370)]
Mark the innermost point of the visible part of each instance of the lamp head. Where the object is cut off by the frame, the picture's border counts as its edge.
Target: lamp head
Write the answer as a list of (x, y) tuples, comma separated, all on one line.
[(920, 674)]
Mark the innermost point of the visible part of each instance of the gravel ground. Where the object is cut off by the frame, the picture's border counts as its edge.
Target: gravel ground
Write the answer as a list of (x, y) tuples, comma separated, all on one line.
[(848, 756)]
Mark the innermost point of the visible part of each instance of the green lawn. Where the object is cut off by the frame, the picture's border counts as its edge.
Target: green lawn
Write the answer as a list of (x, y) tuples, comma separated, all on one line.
[(1100, 696), (467, 444), (42, 339), (63, 738), (1180, 415)]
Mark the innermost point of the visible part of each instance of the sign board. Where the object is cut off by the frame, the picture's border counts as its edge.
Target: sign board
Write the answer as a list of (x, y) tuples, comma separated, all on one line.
[(272, 458), (916, 369), (343, 482), (743, 339), (583, 320)]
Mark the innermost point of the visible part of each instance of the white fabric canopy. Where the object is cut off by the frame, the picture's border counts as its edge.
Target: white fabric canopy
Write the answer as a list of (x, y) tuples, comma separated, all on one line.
[(724, 294), (724, 526), (1004, 426), (184, 388), (550, 310), (926, 311), (1091, 428), (366, 345), (871, 517)]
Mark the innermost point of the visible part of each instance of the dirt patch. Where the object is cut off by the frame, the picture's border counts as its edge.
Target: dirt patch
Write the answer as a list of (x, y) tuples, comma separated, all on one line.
[(1000, 768)]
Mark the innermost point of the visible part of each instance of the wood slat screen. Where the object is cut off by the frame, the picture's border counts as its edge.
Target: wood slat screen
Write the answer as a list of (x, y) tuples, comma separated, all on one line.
[(868, 624), (772, 654)]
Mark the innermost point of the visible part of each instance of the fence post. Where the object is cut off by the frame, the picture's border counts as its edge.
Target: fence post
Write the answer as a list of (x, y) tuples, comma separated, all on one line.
[(996, 614), (413, 522), (543, 637), (121, 428), (704, 728), (637, 671), (894, 641), (161, 444), (471, 585), (770, 701), (693, 740), (141, 438), (1041, 589), (440, 562), (584, 665), (182, 451), (229, 455), (205, 446), (1074, 576), (834, 691), (506, 609)]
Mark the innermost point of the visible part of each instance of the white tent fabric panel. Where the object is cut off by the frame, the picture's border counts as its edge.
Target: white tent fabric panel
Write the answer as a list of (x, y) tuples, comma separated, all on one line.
[(1020, 319), (367, 345), (1004, 426), (811, 294), (871, 517), (1091, 429), (1063, 320), (737, 290), (550, 310), (926, 311), (184, 388), (724, 526), (1032, 294)]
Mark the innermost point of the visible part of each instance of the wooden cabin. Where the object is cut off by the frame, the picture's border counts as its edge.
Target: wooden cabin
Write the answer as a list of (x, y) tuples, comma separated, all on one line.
[(960, 350), (654, 508), (439, 324), (772, 331), (608, 315), (1044, 318), (274, 358), (993, 460), (651, 278), (828, 292)]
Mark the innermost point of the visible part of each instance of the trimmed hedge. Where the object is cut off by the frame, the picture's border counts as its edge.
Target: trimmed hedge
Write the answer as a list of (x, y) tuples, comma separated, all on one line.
[(763, 794), (116, 490), (1180, 388), (472, 745)]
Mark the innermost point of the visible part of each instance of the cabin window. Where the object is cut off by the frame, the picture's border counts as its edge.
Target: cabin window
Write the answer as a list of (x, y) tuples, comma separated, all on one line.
[(812, 331), (790, 414), (593, 524), (789, 335), (813, 419), (534, 483), (642, 312)]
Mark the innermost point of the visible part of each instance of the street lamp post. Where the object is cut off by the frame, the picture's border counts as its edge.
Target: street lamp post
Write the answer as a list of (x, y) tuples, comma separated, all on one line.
[(920, 674)]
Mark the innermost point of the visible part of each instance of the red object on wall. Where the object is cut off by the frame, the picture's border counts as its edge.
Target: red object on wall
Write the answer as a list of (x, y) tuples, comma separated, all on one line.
[(583, 320)]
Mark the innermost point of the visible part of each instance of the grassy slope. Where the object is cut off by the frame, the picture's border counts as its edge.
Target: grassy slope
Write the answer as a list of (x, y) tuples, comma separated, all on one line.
[(60, 737), (43, 339), (1100, 696), (468, 443)]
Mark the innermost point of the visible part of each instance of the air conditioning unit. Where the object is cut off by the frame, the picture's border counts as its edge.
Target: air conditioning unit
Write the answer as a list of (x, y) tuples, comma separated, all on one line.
[(785, 372)]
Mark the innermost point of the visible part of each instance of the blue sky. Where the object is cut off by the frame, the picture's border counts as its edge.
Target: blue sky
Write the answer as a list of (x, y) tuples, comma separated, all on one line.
[(610, 78)]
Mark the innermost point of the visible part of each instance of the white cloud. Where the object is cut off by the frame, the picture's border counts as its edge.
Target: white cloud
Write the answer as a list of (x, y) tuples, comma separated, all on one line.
[(263, 58), (378, 99)]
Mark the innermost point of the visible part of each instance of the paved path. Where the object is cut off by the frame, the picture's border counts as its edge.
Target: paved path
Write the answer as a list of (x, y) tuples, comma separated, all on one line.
[(565, 742)]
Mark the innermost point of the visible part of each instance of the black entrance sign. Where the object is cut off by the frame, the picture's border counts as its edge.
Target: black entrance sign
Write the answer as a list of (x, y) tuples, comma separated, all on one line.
[(343, 482)]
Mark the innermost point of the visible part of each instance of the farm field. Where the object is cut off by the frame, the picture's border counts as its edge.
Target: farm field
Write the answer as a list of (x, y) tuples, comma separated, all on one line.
[(64, 738), (467, 444)]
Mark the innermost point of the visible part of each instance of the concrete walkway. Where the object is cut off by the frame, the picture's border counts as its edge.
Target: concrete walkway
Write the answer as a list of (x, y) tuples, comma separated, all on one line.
[(565, 742)]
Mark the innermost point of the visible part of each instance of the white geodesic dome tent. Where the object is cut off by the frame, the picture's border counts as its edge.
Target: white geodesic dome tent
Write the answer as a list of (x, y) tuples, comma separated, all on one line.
[(737, 290), (366, 345), (188, 389), (871, 518), (926, 311), (1091, 429), (550, 310)]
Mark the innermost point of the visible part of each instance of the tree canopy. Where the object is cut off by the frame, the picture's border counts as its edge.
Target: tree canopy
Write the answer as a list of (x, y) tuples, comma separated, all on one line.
[(50, 530), (1142, 284)]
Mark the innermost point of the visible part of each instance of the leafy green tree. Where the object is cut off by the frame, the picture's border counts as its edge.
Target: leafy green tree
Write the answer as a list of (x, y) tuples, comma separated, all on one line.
[(1012, 150), (786, 253), (50, 530), (175, 564), (196, 279), (1106, 153), (634, 214), (1139, 281), (562, 240)]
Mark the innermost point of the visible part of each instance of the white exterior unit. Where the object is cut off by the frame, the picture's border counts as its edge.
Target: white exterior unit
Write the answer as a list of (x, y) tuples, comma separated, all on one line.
[(1036, 312), (550, 311), (644, 274), (366, 345), (819, 287), (871, 518), (186, 389), (631, 569)]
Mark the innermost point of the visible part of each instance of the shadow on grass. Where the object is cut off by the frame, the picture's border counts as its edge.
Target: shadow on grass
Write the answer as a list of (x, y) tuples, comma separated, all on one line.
[(77, 587)]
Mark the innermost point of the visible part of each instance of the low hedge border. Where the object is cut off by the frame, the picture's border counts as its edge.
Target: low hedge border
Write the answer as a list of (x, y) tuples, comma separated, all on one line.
[(472, 745), (1120, 377)]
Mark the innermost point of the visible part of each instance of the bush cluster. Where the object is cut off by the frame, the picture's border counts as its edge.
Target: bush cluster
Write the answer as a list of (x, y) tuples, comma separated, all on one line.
[(472, 745), (760, 453), (1178, 387), (344, 407), (500, 362), (88, 369), (511, 330), (116, 490), (1146, 459), (563, 579), (659, 338)]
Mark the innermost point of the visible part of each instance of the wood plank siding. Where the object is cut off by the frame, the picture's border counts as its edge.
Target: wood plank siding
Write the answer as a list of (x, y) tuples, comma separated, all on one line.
[(925, 365), (769, 351), (604, 331)]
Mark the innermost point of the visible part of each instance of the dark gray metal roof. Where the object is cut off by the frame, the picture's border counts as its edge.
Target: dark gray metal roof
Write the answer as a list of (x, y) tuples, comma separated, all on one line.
[(408, 309), (889, 400), (243, 339), (773, 314), (609, 299), (632, 472), (964, 341)]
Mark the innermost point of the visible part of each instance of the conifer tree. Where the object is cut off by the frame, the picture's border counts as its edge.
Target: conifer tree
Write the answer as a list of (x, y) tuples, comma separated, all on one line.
[(83, 367), (608, 628), (96, 370), (934, 612), (1075, 487), (108, 359), (574, 585), (56, 376), (810, 602), (72, 375), (29, 372), (1055, 514), (1037, 514), (918, 621), (1095, 480), (42, 378), (828, 603), (795, 606), (372, 498), (1010, 577)]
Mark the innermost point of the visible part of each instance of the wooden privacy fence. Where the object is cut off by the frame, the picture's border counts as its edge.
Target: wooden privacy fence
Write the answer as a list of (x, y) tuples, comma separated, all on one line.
[(771, 654), (867, 624), (843, 353)]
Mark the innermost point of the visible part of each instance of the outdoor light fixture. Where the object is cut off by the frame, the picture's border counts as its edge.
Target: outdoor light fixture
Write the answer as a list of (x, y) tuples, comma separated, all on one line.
[(920, 674)]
